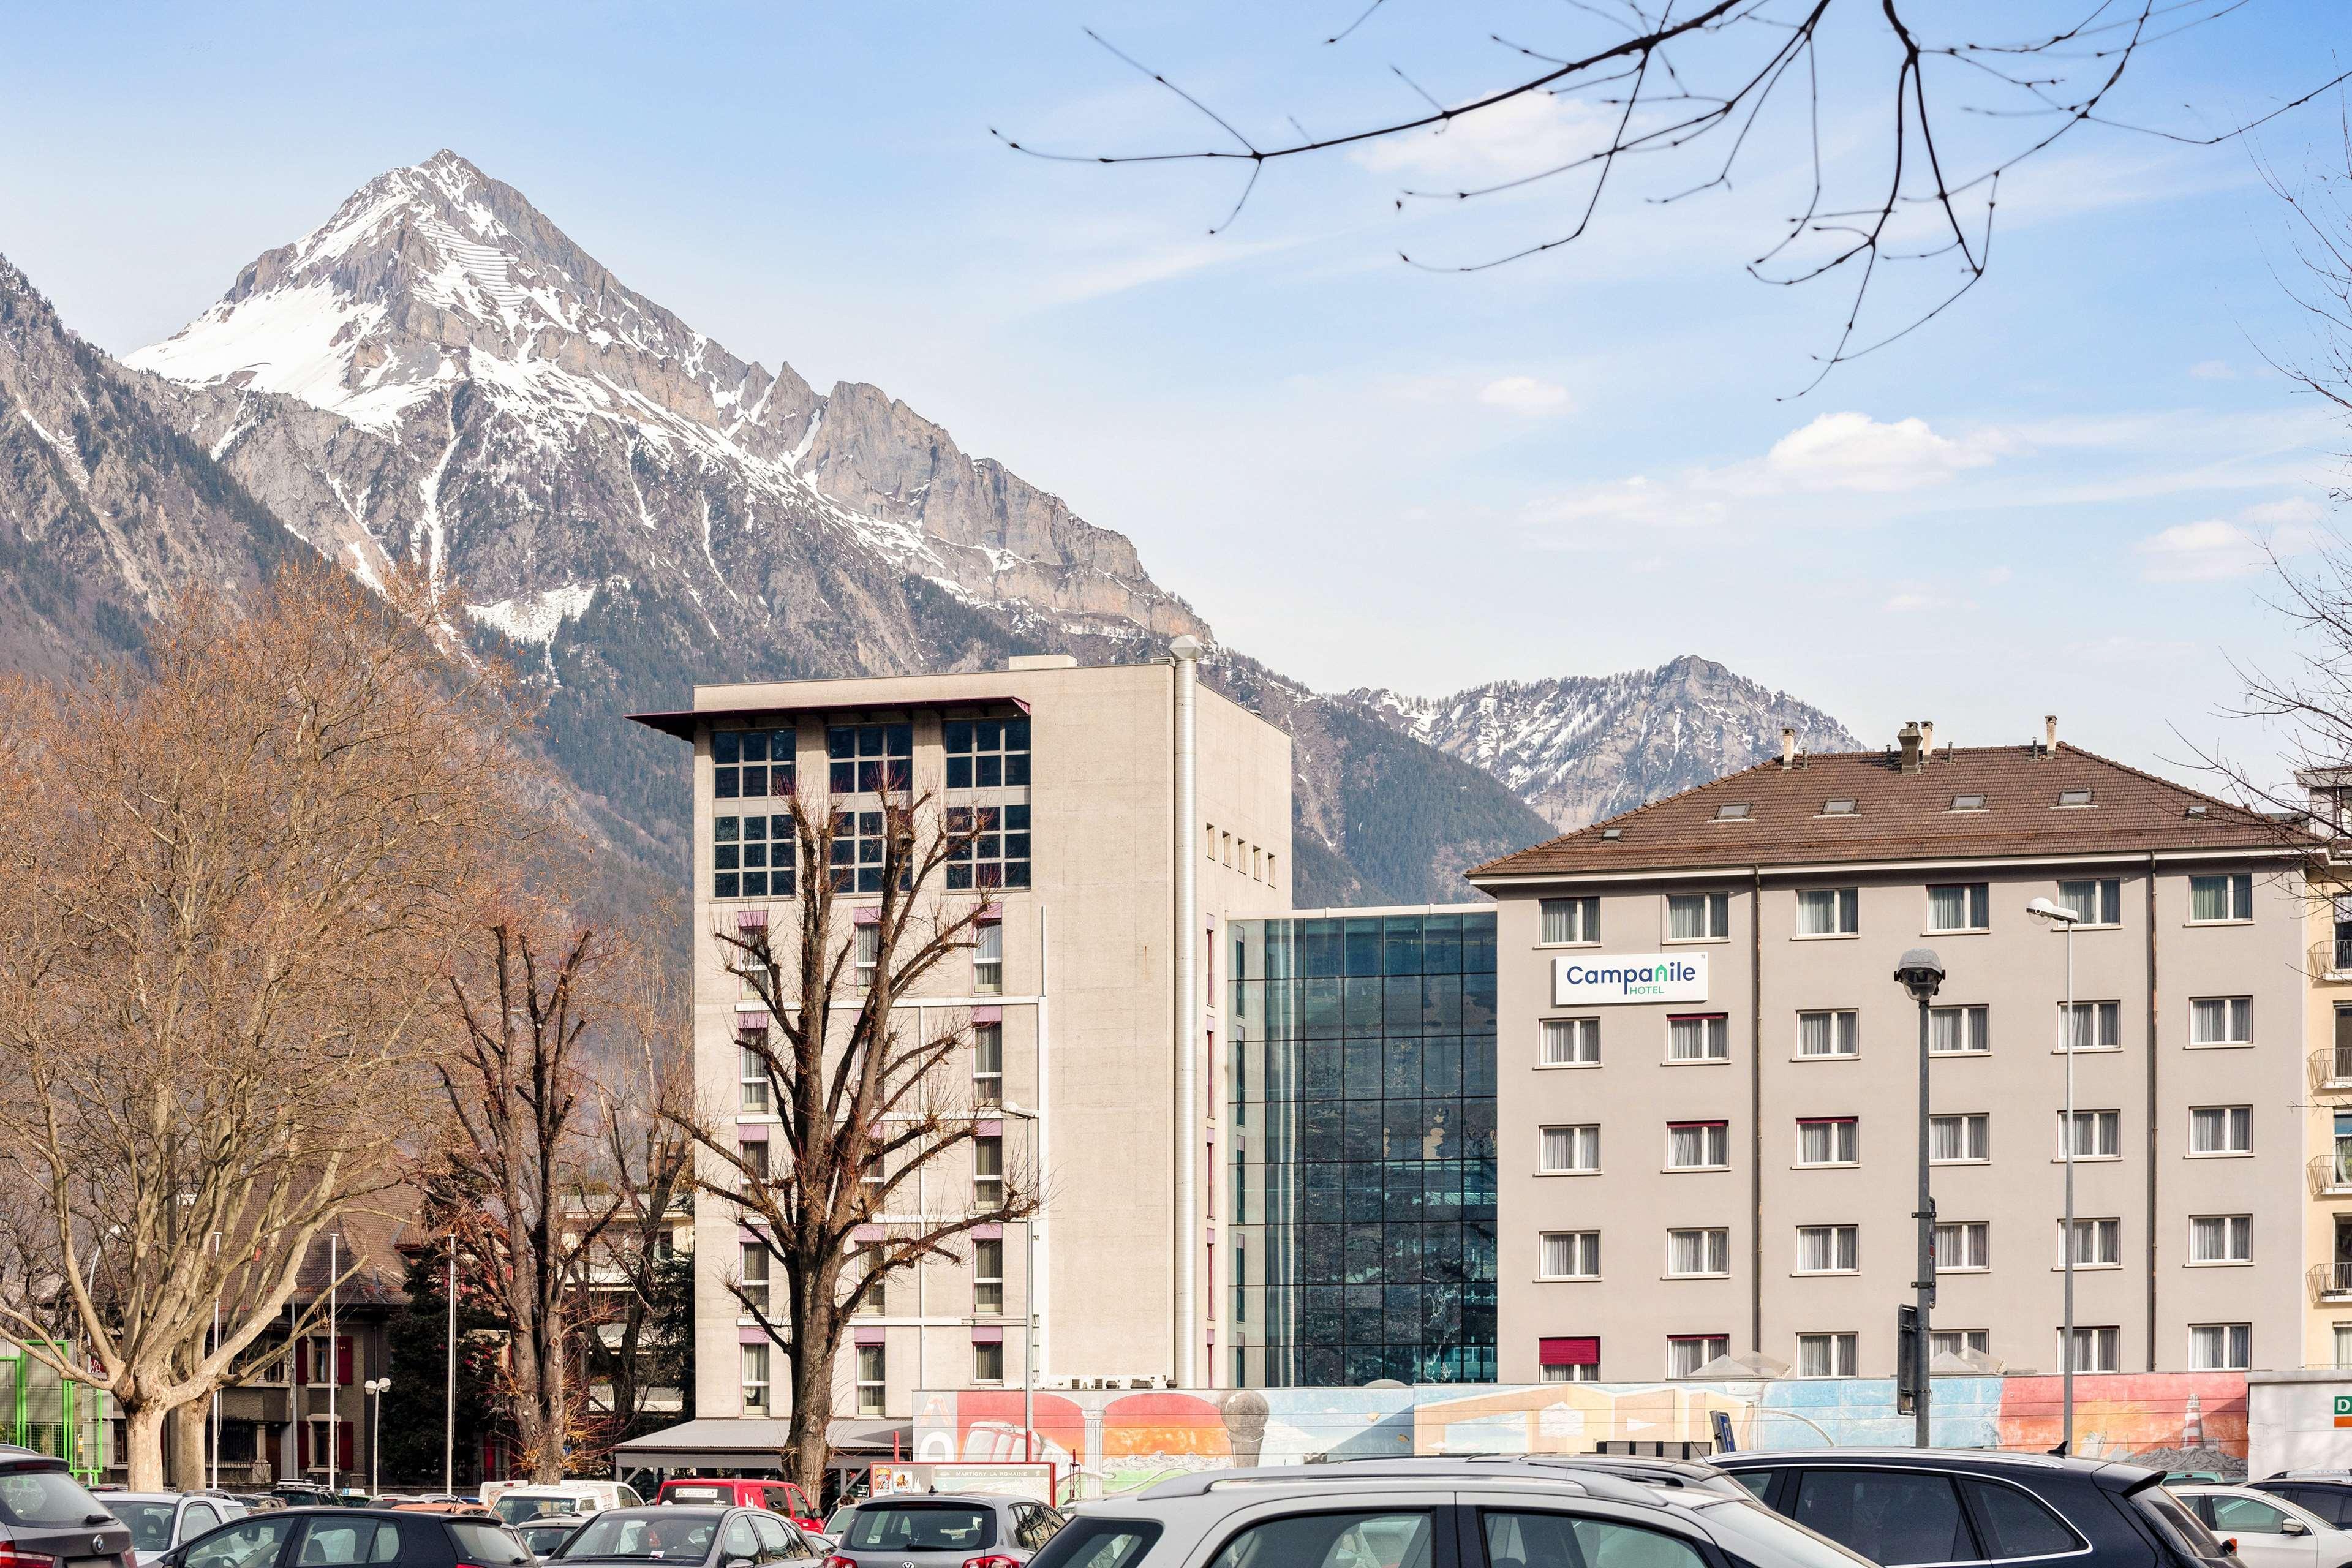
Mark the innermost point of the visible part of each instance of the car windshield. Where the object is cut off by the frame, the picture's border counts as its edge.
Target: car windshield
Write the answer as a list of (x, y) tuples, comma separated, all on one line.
[(1766, 1539), (46, 1497), (514, 1508), (921, 1526), (2187, 1530), (671, 1536), (150, 1522), (481, 1541)]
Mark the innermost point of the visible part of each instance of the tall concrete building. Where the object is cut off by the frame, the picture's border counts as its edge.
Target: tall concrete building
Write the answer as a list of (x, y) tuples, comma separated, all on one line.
[(1709, 1079), (1139, 813)]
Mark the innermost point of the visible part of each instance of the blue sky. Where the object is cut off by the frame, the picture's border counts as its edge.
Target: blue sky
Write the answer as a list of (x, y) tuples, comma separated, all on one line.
[(1361, 472)]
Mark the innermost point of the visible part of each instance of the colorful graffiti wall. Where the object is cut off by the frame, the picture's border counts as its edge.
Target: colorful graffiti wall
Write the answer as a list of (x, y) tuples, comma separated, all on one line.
[(1110, 1441)]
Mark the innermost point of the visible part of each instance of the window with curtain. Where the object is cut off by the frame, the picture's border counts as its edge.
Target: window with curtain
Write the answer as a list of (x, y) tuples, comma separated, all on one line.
[(1954, 1342), (755, 1380), (755, 1275), (2229, 1130), (871, 1371), (988, 1172), (1829, 912), (1828, 1355), (1829, 1034), (988, 1362), (1828, 1248), (1570, 1042), (2223, 898), (2221, 1238), (2095, 902), (1959, 1139), (988, 958), (1570, 1149), (2220, 1347), (988, 1063), (1697, 1145), (2093, 1025), (1964, 1244), (866, 954), (1828, 1141), (754, 1096), (988, 1277), (1959, 906), (2096, 1134), (2222, 1021), (1572, 1255), (1959, 1031), (1685, 1354), (1703, 1038), (1698, 917), (1571, 920), (1690, 1252), (2098, 1243), (2095, 1350)]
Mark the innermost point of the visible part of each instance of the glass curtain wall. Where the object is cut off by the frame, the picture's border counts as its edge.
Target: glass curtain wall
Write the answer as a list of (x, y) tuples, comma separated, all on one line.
[(1361, 1059)]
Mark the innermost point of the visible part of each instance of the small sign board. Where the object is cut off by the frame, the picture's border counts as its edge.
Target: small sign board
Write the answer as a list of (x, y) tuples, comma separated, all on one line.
[(1602, 980), (2344, 1410)]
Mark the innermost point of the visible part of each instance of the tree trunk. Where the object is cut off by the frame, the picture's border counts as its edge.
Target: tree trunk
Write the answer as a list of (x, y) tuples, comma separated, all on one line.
[(142, 1446), (816, 1340), (187, 1427)]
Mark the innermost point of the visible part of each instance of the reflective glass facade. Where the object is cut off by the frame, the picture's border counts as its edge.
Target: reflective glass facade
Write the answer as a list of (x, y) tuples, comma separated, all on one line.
[(1361, 1062)]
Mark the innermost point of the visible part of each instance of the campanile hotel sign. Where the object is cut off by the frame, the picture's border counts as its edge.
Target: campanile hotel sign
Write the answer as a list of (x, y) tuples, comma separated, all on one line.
[(1617, 978)]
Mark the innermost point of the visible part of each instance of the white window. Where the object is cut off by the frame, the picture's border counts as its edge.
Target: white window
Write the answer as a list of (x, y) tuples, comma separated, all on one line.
[(1571, 920), (2096, 902), (1735, 811), (988, 1277), (755, 1275), (1959, 1140), (2222, 1021), (1698, 917), (1570, 1042), (1699, 1145), (1570, 1149), (2220, 1347), (870, 1380), (1829, 912), (1828, 1141), (2092, 1025), (1964, 1244), (2095, 1350), (1572, 1255), (1691, 1253), (1587, 1372), (988, 958), (754, 1097), (868, 954), (1959, 1031), (1829, 1355), (1829, 1248), (1829, 1034), (1959, 906), (2221, 1130), (755, 1380), (1959, 1342), (2343, 1342), (988, 1361), (1704, 1039), (2098, 1243), (2221, 1238), (2228, 898), (1685, 1354), (2098, 1135), (988, 1063), (1968, 802), (988, 1172), (2074, 799)]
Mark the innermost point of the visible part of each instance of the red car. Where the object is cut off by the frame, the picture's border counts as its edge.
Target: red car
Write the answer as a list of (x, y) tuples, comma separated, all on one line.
[(738, 1491)]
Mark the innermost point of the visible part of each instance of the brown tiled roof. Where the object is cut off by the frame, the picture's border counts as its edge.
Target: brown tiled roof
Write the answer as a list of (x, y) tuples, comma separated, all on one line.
[(1907, 816)]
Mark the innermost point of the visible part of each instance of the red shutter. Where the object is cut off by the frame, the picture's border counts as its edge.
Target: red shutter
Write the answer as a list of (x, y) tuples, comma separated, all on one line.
[(301, 1447), (343, 1446), (343, 1360), (1568, 1352), (301, 1363)]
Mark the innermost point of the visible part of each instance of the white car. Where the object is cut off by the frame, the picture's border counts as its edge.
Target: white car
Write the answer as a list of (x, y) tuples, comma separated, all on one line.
[(514, 1501), (2271, 1531), (161, 1520)]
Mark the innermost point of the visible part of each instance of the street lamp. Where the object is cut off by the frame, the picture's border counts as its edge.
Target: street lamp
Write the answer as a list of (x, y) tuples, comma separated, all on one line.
[(1921, 973), (374, 1387), (1028, 1305), (2066, 919)]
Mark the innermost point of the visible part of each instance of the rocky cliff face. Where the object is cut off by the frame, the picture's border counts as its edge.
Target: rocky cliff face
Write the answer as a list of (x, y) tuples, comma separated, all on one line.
[(1586, 747)]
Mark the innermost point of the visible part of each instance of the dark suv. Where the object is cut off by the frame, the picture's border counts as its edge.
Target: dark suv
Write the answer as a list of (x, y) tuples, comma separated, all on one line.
[(330, 1537), (1904, 1505), (44, 1514)]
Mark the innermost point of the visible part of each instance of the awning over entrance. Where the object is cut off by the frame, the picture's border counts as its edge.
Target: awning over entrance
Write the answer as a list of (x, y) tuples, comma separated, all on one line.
[(750, 1443)]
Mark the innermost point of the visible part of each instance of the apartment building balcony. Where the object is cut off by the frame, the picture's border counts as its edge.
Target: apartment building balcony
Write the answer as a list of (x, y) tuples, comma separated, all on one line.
[(2331, 1069), (2331, 1282), (2331, 1174)]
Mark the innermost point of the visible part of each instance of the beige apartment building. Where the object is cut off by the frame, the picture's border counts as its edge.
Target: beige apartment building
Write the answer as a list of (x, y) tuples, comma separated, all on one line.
[(2327, 1109), (1139, 812), (1709, 1079)]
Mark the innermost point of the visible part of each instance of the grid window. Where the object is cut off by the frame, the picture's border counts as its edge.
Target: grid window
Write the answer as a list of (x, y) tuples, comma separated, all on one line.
[(2220, 1347), (1959, 1342), (1703, 1038), (755, 1276), (988, 1362), (1570, 1042), (1693, 1253), (2099, 901), (1829, 1034), (1698, 917), (2221, 1130), (988, 1063), (986, 753), (2097, 1135), (865, 943), (1964, 1244), (1829, 912), (2092, 1025), (1829, 1355), (1699, 1145), (751, 857), (1959, 906), (856, 856), (2098, 1243), (1586, 1371), (988, 1171), (1685, 1354), (1829, 1248), (1571, 920), (754, 1075), (2221, 1238), (1964, 1138), (1570, 1149), (870, 758), (871, 1370), (752, 764), (2095, 1350), (2226, 898), (1959, 1031), (1829, 1141), (2222, 1021), (1572, 1255), (988, 1277), (988, 958), (755, 1380), (990, 847)]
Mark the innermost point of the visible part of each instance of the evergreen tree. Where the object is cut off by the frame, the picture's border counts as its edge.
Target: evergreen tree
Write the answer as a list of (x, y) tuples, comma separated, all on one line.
[(414, 1429)]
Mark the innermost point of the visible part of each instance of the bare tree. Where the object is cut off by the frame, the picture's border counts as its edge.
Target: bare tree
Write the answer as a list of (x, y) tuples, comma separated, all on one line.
[(1687, 92), (864, 1109), (230, 875)]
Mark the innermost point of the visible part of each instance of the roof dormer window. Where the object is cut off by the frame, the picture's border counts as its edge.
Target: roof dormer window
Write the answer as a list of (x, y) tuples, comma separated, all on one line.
[(1612, 833), (1842, 806), (1735, 811), (2073, 797), (1968, 802)]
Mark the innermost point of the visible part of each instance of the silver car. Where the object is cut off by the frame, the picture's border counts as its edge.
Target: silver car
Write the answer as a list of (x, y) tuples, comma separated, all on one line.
[(161, 1520), (934, 1530)]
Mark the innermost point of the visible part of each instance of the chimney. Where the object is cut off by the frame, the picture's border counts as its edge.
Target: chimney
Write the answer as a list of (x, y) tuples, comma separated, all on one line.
[(1927, 740), (2049, 734), (1909, 739), (1787, 746)]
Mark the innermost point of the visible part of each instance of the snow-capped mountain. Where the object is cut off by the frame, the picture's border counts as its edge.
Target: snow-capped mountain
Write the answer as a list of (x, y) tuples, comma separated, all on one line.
[(1586, 747)]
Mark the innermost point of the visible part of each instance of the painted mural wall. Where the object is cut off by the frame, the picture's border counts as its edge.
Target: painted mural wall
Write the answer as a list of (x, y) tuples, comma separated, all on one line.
[(1110, 1441)]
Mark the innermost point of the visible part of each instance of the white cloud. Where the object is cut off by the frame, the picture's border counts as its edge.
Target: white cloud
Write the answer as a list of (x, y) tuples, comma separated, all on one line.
[(1632, 502), (1525, 394), (1520, 136), (2295, 513), (2213, 370), (2199, 552), (1854, 452)]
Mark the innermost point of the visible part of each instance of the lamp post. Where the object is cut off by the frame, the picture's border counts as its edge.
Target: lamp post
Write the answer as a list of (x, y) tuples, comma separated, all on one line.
[(449, 1387), (1028, 1309), (375, 1387), (2066, 919), (215, 1422), (1921, 973)]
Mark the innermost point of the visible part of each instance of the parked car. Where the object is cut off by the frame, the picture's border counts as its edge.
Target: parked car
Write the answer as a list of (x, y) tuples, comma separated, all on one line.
[(679, 1536), (381, 1538), (45, 1513), (514, 1501), (2269, 1531), (742, 1491), (1413, 1513), (934, 1530), (300, 1494), (1897, 1506), (2331, 1499), (161, 1520), (545, 1537)]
